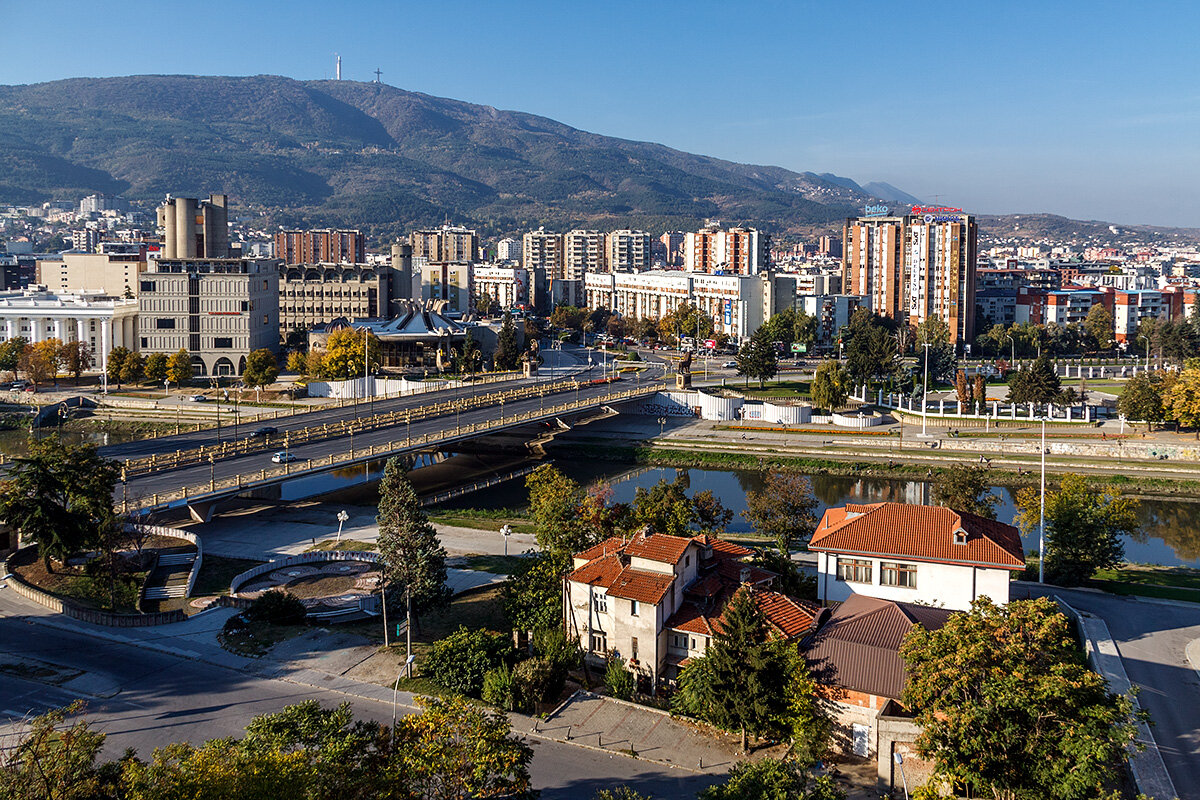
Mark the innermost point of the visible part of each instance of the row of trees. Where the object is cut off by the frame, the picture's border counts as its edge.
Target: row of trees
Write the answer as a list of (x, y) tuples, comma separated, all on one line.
[(45, 360), (1161, 397)]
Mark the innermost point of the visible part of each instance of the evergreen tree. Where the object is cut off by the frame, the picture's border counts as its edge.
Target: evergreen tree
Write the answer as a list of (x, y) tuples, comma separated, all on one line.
[(1038, 383), (414, 559), (942, 361), (507, 352), (830, 386), (758, 357), (870, 348)]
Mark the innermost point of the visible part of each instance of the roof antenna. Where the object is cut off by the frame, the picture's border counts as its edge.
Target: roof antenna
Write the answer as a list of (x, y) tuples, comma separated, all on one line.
[(338, 63)]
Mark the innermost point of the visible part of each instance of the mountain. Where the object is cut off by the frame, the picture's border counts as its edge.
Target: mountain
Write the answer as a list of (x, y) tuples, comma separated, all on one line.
[(885, 191), (377, 157)]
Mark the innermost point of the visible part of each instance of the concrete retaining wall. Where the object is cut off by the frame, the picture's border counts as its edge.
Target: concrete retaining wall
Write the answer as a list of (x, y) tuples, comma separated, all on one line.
[(304, 558)]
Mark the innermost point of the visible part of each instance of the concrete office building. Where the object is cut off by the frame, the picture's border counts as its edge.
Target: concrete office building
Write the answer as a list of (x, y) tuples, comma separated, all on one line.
[(37, 315), (218, 309), (311, 294), (105, 274), (583, 252), (401, 281), (735, 302), (628, 251), (541, 250), (195, 228), (321, 247), (510, 287)]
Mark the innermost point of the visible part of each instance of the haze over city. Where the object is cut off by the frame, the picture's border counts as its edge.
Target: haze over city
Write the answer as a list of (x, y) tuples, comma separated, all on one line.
[(1079, 109)]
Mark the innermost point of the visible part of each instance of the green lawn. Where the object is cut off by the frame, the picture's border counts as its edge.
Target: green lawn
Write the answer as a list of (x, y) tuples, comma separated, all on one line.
[(217, 571), (344, 544), (782, 389), (1173, 583), (485, 522), (500, 565)]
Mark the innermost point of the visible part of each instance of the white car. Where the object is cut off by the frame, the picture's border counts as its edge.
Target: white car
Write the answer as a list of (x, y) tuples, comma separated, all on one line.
[(729, 365), (198, 398), (283, 457)]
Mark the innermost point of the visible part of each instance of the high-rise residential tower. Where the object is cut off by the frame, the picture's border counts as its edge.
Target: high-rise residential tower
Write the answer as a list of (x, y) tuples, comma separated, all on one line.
[(628, 251)]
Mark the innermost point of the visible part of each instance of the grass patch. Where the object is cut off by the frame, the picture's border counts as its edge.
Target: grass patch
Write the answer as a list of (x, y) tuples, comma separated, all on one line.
[(500, 565), (1147, 590), (344, 544), (485, 523), (257, 638), (216, 572), (478, 610), (777, 389), (1149, 575)]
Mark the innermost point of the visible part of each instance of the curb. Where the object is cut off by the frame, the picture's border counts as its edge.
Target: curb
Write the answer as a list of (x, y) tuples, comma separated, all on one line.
[(1192, 653)]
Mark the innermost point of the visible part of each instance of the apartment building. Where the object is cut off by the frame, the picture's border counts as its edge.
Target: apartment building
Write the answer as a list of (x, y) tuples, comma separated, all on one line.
[(673, 243), (509, 287), (628, 251), (542, 250), (872, 262), (832, 312), (448, 281), (449, 243), (218, 309), (320, 246), (508, 249), (737, 251), (583, 252)]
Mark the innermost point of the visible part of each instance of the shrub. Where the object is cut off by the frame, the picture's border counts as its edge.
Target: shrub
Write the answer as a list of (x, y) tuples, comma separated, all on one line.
[(276, 607), (618, 680), (498, 688), (459, 661), (560, 650), (535, 680)]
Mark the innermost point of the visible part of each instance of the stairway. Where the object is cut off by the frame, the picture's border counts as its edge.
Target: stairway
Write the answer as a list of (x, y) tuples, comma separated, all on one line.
[(169, 578)]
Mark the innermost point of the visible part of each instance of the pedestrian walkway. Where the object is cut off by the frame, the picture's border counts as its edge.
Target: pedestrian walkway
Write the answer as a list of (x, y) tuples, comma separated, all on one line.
[(617, 726), (169, 578)]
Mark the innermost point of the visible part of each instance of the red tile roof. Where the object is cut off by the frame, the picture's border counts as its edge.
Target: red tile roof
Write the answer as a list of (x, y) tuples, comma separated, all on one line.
[(722, 549), (645, 587), (611, 545), (731, 571), (599, 572), (787, 616), (922, 533), (691, 619), (658, 547)]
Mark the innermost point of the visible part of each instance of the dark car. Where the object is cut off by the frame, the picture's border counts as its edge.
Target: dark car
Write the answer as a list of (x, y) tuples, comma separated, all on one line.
[(265, 431)]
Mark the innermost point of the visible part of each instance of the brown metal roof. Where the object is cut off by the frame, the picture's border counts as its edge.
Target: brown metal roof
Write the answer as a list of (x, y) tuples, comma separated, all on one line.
[(859, 647)]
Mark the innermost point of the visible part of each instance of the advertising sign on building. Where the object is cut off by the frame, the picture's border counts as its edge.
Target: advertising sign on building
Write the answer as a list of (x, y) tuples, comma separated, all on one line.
[(710, 343), (728, 312)]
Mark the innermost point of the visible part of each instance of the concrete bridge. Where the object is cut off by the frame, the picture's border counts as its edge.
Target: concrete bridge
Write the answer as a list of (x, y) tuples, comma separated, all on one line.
[(202, 478)]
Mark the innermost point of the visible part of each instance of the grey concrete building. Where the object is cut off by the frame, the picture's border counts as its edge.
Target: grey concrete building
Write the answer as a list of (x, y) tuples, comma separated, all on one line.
[(311, 294), (195, 228), (218, 309)]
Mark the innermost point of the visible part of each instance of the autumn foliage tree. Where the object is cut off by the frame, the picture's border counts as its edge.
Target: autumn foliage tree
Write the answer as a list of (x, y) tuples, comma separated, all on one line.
[(1008, 707)]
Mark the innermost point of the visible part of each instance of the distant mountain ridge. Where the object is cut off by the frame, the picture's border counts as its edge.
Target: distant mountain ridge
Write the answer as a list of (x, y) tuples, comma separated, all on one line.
[(344, 152)]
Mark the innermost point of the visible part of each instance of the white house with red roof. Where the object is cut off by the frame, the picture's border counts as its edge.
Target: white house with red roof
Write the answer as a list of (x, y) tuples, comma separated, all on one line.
[(655, 600), (914, 554)]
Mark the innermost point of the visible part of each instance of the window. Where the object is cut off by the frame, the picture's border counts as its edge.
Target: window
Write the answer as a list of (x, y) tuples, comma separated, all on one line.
[(223, 343), (600, 603), (599, 642), (633, 608), (633, 650), (853, 570), (145, 342), (146, 286), (164, 323), (893, 574), (245, 305)]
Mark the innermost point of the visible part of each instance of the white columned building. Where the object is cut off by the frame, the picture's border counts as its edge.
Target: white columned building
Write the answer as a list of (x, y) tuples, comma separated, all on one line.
[(36, 315)]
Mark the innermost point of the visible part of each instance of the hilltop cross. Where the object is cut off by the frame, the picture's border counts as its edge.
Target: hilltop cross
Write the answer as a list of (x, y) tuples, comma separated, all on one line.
[(377, 74)]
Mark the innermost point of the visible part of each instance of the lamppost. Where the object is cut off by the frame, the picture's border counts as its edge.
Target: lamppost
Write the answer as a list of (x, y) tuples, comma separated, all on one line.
[(1013, 341), (899, 758), (1042, 523), (925, 390), (342, 516), (217, 391), (506, 531)]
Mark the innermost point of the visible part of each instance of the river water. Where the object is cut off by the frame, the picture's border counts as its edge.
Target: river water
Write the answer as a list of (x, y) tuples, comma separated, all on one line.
[(1169, 536)]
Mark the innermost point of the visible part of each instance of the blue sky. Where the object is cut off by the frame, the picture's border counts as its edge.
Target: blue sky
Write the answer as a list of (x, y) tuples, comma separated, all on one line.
[(1090, 110)]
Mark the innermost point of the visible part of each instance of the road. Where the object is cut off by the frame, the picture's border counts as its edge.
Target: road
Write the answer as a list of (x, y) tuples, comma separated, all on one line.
[(163, 481), (1151, 637), (559, 365), (157, 698)]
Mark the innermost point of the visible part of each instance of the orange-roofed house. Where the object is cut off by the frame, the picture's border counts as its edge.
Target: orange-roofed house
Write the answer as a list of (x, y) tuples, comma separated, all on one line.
[(655, 601), (914, 554)]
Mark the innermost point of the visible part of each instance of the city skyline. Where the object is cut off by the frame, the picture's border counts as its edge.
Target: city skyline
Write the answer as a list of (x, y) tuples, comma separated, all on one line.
[(1068, 109)]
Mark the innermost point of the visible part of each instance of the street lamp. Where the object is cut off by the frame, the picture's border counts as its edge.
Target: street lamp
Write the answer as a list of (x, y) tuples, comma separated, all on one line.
[(925, 390), (342, 516), (506, 531), (1042, 523), (899, 758)]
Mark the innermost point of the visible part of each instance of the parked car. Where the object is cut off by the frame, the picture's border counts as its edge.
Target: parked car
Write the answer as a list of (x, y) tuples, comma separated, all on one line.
[(729, 365), (283, 457), (197, 398), (263, 432)]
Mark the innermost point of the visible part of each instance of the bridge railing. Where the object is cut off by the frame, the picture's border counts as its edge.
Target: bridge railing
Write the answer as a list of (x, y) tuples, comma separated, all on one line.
[(267, 476), (314, 433)]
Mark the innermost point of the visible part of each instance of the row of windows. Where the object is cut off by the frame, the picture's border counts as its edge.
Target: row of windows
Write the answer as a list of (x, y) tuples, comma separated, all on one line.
[(891, 573), (194, 342), (600, 605)]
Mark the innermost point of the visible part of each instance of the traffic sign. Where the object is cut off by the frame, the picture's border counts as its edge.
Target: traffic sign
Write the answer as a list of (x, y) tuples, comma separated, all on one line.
[(710, 343)]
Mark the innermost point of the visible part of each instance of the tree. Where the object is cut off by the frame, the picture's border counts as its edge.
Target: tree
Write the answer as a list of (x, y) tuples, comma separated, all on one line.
[(58, 496), (507, 351), (51, 759), (966, 489), (942, 361), (871, 350), (468, 357), (314, 363), (453, 749), (1182, 399), (685, 320), (554, 504), (980, 393), (39, 361), (1084, 527), (75, 358), (261, 370), (1008, 707), (758, 358), (343, 357), (746, 670), (568, 317), (784, 510), (618, 679), (533, 596), (179, 368), (413, 556), (11, 352), (297, 362), (1099, 326), (216, 769), (964, 391), (831, 385), (157, 365), (773, 779), (133, 368), (1038, 383), (1142, 399)]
